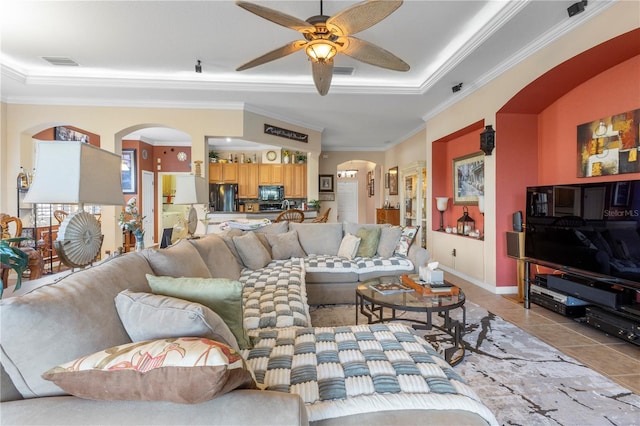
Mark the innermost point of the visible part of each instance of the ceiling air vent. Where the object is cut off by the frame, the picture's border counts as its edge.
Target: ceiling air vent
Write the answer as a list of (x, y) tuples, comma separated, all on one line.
[(60, 61), (343, 70)]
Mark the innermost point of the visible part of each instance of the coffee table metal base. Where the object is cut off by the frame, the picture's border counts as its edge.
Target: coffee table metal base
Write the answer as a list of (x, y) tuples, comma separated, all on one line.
[(374, 312)]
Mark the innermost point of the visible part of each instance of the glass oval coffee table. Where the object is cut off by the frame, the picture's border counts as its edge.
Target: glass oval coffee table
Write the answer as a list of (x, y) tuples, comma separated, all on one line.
[(372, 304)]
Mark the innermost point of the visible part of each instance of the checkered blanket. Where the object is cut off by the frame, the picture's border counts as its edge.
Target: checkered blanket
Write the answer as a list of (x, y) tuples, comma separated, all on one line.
[(339, 371), (360, 265), (275, 296)]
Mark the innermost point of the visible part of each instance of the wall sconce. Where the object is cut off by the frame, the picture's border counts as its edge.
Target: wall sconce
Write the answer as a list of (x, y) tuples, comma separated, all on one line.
[(488, 140), (441, 205), (481, 204)]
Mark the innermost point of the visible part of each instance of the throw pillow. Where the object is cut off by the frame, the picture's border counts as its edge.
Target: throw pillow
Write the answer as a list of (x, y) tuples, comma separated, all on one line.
[(221, 262), (285, 246), (406, 239), (222, 296), (389, 238), (179, 260), (369, 238), (251, 251), (349, 246), (148, 316), (186, 370)]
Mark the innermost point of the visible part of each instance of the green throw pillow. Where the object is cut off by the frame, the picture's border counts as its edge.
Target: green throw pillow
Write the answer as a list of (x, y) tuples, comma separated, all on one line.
[(369, 238), (223, 296)]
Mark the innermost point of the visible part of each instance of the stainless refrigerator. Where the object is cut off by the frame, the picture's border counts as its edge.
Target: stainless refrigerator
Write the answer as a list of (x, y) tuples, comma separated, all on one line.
[(223, 197)]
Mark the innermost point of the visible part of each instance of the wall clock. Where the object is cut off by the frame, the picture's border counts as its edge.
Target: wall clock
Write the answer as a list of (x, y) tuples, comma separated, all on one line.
[(271, 155), (182, 156)]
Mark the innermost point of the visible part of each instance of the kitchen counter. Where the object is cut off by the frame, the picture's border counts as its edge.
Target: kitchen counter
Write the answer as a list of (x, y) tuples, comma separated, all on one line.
[(216, 218)]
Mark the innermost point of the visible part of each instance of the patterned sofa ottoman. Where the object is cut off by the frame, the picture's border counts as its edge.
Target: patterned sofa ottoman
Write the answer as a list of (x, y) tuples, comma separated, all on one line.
[(354, 370)]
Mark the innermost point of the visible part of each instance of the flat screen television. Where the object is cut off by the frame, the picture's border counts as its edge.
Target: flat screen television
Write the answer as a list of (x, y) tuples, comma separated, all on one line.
[(590, 229)]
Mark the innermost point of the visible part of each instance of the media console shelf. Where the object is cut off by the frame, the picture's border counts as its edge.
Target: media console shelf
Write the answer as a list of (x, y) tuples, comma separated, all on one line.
[(608, 304)]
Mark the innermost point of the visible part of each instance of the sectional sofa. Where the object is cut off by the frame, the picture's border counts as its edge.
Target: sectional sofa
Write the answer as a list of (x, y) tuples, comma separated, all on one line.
[(217, 330)]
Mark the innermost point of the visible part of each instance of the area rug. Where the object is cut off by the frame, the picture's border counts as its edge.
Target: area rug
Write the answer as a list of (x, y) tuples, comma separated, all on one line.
[(523, 380)]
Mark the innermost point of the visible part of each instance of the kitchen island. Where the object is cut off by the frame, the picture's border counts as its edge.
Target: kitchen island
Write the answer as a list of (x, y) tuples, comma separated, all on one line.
[(216, 218)]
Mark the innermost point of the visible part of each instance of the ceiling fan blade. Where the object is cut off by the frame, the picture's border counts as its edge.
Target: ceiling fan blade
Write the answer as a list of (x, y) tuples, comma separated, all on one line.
[(277, 17), (278, 53), (361, 16), (372, 54), (322, 74)]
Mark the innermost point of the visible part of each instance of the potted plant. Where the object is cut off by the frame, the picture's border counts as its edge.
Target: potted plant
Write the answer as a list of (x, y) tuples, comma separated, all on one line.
[(285, 156), (213, 156), (14, 258), (314, 204), (300, 157), (131, 220)]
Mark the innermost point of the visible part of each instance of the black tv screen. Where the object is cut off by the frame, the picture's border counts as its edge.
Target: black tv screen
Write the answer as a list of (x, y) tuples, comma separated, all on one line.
[(591, 229)]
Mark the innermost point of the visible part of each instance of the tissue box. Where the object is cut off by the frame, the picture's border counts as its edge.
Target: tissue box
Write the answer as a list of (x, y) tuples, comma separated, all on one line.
[(431, 275)]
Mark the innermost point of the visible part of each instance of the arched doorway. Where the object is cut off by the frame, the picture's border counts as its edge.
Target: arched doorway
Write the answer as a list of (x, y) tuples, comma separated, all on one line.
[(158, 154)]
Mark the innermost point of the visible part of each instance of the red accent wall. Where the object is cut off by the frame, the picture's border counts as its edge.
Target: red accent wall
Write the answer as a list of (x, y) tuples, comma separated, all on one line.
[(540, 148), (612, 92), (444, 150)]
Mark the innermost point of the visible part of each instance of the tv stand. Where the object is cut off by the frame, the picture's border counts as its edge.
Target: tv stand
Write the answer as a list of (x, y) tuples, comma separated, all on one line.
[(611, 305)]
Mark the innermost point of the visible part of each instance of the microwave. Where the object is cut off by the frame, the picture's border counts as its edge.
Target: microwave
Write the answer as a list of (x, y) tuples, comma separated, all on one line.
[(271, 193)]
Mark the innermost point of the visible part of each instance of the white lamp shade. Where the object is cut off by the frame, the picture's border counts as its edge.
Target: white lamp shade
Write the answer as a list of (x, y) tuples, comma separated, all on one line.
[(191, 189), (75, 172), (441, 203), (481, 203)]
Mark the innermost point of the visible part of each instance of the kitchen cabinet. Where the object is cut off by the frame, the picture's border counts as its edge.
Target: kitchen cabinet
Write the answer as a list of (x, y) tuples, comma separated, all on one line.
[(413, 201), (460, 254), (295, 180), (248, 180), (270, 174), (223, 172), (390, 216)]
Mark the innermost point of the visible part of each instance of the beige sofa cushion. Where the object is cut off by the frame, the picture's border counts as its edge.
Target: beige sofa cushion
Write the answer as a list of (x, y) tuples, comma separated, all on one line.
[(220, 261), (349, 246), (179, 260), (253, 254), (148, 316), (319, 238), (274, 228), (62, 321), (389, 237), (285, 246)]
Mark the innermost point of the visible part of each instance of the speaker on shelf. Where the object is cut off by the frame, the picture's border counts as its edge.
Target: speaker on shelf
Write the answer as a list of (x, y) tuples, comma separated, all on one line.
[(517, 221), (515, 244)]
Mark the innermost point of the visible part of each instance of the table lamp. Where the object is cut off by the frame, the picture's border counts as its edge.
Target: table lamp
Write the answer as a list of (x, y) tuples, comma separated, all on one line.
[(191, 189), (74, 172), (441, 205)]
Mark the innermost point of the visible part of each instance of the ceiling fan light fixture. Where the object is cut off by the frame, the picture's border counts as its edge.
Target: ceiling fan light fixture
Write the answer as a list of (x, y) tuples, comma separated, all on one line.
[(321, 50)]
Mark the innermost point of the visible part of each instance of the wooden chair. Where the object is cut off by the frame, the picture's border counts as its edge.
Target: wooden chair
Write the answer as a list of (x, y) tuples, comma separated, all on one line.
[(322, 218), (291, 215), (11, 227), (60, 215)]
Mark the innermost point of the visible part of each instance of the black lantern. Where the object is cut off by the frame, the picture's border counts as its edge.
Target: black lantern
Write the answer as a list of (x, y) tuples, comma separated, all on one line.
[(488, 140), (465, 224)]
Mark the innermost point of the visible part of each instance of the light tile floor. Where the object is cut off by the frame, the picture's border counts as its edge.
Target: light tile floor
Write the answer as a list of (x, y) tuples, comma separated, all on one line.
[(610, 356)]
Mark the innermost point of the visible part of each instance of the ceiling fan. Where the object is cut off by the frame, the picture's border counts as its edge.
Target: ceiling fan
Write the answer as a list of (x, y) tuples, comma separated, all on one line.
[(326, 36)]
